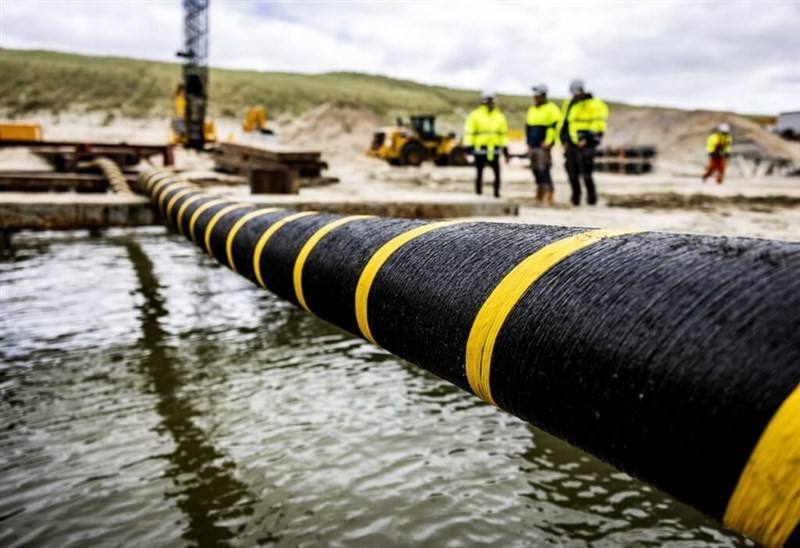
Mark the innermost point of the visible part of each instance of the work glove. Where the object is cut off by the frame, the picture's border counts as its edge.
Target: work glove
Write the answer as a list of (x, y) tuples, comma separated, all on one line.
[(506, 154)]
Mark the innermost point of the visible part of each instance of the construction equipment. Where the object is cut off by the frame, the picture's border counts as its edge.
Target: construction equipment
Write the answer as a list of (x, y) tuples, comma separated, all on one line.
[(20, 132), (178, 129), (256, 120), (412, 144), (189, 125)]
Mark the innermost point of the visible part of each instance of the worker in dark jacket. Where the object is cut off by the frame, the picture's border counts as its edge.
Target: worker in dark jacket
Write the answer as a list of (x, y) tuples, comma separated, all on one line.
[(582, 127), (540, 133)]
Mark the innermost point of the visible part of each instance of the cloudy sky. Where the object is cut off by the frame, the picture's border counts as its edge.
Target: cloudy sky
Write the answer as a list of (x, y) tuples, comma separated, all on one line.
[(742, 56)]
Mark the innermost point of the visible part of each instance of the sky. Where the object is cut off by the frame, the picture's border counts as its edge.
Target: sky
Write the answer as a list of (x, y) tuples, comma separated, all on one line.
[(742, 56)]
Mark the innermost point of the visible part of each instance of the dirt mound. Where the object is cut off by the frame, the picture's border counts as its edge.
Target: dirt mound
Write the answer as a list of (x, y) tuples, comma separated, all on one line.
[(681, 135), (339, 132), (675, 200)]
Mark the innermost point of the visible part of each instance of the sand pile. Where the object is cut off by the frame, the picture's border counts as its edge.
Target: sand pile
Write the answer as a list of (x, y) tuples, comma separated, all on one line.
[(681, 135), (341, 133)]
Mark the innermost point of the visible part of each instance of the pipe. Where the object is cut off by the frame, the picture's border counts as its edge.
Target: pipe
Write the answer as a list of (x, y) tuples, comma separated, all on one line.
[(674, 357), (113, 174)]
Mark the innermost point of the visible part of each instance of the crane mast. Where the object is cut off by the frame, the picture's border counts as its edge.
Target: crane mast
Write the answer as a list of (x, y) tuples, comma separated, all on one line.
[(195, 70)]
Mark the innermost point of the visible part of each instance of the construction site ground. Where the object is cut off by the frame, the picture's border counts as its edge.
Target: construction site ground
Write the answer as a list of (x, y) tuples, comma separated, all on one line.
[(671, 199)]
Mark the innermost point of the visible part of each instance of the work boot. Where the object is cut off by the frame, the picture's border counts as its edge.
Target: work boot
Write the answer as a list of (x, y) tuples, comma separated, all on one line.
[(540, 194), (548, 197)]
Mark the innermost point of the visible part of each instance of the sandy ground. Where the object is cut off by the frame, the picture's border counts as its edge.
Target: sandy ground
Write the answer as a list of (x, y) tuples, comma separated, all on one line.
[(668, 199)]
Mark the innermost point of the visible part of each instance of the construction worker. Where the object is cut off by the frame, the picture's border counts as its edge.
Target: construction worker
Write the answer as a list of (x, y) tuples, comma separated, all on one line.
[(718, 147), (540, 133), (581, 129), (486, 134)]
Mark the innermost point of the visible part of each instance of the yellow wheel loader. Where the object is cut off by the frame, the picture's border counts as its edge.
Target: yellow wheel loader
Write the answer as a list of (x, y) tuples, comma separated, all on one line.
[(416, 142)]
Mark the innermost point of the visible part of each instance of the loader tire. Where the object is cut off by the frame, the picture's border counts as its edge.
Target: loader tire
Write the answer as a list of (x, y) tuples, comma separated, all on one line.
[(413, 154)]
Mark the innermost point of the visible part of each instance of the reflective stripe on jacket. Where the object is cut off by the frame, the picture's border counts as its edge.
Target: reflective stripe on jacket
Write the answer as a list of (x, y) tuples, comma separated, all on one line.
[(541, 122), (486, 129), (719, 143), (587, 116)]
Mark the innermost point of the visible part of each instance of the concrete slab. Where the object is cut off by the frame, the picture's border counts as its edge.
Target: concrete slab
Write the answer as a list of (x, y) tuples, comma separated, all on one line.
[(67, 211)]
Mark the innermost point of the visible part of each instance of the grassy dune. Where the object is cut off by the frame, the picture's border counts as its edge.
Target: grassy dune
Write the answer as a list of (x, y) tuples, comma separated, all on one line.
[(50, 81)]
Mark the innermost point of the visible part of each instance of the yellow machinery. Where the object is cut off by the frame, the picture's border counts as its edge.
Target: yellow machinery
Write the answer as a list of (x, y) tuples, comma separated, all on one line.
[(256, 120), (20, 132), (410, 145), (178, 133)]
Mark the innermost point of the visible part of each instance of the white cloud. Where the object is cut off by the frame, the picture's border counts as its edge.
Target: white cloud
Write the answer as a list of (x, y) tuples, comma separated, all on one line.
[(726, 55)]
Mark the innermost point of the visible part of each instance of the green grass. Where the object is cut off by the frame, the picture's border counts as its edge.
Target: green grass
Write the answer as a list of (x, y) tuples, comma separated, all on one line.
[(57, 82)]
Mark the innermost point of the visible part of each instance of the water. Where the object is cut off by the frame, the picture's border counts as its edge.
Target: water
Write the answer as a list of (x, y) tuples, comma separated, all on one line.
[(150, 397)]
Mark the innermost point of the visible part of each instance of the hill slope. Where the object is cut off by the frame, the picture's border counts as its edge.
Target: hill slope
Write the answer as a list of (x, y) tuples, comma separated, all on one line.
[(50, 81), (333, 104)]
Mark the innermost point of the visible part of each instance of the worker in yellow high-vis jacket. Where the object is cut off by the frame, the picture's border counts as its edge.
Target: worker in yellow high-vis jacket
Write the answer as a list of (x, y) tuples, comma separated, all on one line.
[(718, 147), (582, 127), (540, 133), (485, 136)]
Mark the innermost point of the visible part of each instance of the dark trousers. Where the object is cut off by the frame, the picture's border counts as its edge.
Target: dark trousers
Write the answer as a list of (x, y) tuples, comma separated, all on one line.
[(480, 163), (580, 165)]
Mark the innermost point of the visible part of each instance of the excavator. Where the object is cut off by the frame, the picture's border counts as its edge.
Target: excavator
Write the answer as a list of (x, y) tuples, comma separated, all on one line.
[(256, 120), (413, 143)]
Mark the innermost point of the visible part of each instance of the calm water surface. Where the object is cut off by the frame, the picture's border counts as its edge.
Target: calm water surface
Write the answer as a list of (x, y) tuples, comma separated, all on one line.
[(150, 397)]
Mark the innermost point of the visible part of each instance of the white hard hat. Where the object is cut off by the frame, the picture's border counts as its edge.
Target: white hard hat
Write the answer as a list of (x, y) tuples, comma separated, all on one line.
[(577, 86), (539, 89), (724, 128), (488, 95)]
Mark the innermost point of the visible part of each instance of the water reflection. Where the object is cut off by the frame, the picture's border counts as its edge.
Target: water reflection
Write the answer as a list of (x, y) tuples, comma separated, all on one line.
[(215, 502), (154, 372)]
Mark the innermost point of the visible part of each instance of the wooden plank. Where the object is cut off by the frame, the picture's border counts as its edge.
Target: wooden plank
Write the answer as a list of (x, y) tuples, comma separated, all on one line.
[(272, 152), (47, 181), (68, 150)]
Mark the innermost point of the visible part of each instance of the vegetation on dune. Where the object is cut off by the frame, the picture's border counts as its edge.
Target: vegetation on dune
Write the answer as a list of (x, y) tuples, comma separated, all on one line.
[(56, 82), (51, 81)]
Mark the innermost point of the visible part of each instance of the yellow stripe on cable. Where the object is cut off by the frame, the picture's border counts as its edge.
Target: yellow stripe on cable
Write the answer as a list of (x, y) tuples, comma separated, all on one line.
[(146, 181), (502, 300), (765, 504), (160, 177), (215, 219), (165, 192), (262, 241), (182, 210), (237, 226), (308, 247), (159, 185), (199, 211), (175, 197), (374, 265)]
